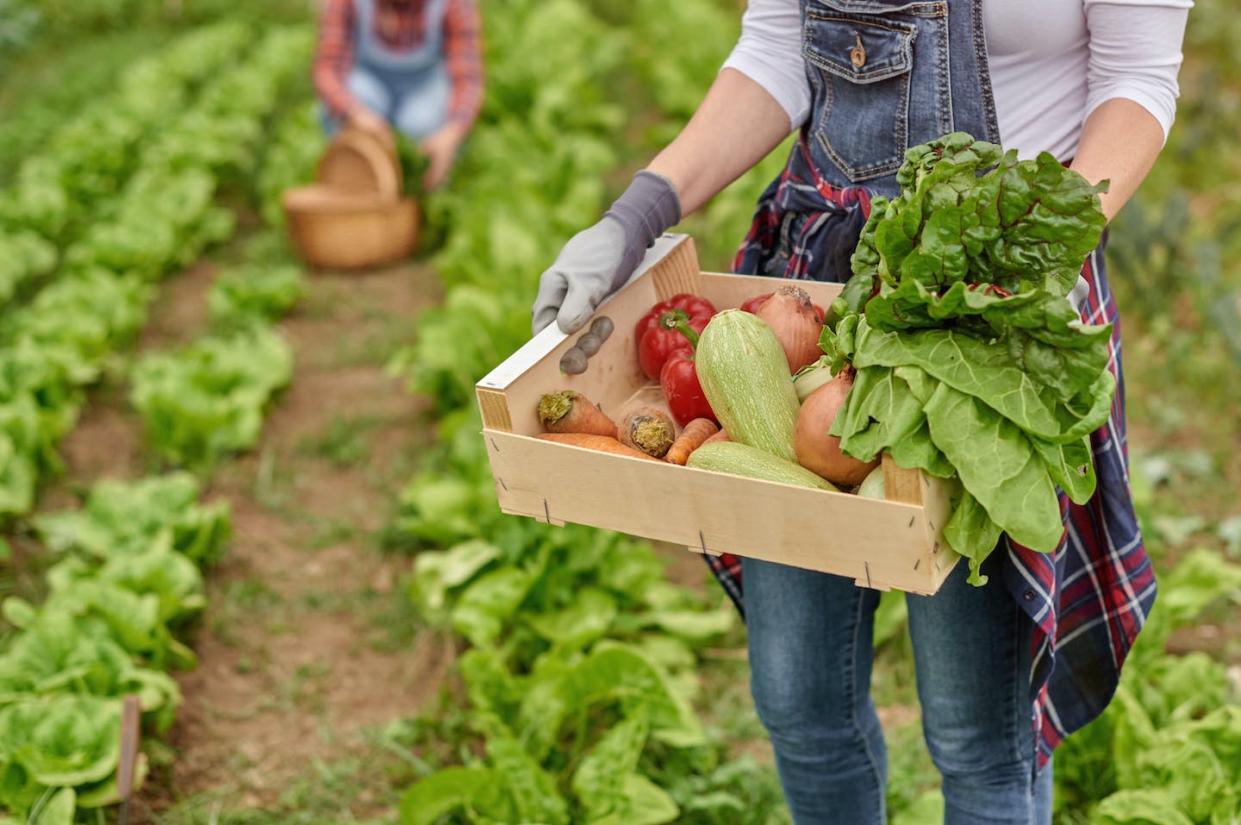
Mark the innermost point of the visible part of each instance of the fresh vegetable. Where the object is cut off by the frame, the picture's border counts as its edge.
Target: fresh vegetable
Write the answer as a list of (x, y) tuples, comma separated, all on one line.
[(695, 434), (601, 443), (569, 411), (602, 328), (649, 430), (756, 303), (722, 435), (816, 450), (573, 362), (971, 362), (661, 331), (745, 377), (812, 376), (206, 400), (873, 486), (683, 390), (751, 462), (241, 296), (793, 318)]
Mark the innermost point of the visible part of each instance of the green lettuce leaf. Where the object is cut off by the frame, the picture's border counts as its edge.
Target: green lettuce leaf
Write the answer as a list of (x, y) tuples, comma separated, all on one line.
[(972, 533), (998, 466)]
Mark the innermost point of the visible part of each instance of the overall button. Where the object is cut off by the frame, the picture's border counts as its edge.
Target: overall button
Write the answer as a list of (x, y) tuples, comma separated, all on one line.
[(857, 55)]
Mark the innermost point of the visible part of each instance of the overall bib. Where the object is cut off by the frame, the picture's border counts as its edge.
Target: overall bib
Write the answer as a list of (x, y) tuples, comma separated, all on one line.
[(886, 75), (409, 87)]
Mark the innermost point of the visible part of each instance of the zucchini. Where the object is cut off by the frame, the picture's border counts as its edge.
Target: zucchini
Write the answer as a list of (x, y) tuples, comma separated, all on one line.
[(745, 377), (743, 460)]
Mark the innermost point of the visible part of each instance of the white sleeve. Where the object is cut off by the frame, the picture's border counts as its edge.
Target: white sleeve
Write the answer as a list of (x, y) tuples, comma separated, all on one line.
[(1135, 53), (769, 53)]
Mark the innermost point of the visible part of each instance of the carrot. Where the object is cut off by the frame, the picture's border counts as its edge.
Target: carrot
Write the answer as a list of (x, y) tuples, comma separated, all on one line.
[(602, 443), (720, 436), (691, 438), (571, 412), (648, 429)]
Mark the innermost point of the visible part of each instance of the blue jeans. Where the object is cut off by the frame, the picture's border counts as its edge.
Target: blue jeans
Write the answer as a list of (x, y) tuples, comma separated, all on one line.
[(415, 104), (810, 644)]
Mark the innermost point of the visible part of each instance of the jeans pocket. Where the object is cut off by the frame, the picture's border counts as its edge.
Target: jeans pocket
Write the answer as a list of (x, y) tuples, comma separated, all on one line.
[(863, 62)]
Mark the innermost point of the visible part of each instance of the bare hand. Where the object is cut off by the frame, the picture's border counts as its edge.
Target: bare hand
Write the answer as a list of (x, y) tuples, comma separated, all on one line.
[(365, 120), (441, 150)]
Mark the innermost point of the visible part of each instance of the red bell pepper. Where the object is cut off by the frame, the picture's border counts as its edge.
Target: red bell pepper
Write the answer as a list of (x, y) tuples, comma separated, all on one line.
[(753, 305), (658, 335), (679, 379)]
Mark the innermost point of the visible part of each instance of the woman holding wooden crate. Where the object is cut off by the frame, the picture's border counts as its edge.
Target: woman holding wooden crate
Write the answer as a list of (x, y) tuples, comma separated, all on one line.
[(1094, 83)]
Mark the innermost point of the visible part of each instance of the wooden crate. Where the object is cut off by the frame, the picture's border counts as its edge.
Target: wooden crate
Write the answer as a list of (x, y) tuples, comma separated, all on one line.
[(881, 544)]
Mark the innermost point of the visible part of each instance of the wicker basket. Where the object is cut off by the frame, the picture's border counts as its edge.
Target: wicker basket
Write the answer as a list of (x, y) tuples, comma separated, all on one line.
[(360, 162), (341, 230)]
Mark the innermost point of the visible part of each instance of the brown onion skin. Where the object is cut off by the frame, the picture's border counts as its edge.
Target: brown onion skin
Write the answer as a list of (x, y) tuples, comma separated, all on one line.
[(816, 450), (792, 316)]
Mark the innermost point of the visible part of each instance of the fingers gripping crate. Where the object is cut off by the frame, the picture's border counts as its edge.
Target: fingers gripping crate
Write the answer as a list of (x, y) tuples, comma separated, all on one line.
[(892, 544)]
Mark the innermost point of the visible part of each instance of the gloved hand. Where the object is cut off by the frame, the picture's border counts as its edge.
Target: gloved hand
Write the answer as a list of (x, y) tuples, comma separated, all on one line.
[(598, 261)]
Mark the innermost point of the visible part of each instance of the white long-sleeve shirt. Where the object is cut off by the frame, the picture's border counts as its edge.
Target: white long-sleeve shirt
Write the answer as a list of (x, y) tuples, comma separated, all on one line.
[(1052, 62)]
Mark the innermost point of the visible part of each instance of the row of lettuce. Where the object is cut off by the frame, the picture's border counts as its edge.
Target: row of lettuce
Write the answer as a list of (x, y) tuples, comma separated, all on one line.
[(124, 573), (127, 578), (581, 667), (129, 195)]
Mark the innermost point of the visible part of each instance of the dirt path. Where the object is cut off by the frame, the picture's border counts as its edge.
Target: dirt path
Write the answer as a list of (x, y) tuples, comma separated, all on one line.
[(307, 645)]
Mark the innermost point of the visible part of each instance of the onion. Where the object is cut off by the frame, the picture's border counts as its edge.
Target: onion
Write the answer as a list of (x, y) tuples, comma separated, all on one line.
[(820, 452), (792, 316)]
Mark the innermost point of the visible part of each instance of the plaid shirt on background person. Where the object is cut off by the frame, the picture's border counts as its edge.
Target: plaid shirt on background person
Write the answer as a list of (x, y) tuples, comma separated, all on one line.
[(462, 50)]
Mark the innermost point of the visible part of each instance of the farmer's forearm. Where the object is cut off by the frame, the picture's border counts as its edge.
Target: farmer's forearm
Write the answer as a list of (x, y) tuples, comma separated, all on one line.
[(1120, 143), (735, 127)]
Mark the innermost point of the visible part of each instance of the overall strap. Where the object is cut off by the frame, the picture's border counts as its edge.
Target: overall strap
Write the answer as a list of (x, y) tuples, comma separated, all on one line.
[(371, 51)]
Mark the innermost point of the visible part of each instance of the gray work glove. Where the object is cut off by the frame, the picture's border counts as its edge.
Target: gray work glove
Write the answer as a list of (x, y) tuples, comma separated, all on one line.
[(598, 261)]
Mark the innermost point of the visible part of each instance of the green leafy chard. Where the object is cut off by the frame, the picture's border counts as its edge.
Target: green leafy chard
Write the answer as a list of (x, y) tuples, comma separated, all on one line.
[(972, 363)]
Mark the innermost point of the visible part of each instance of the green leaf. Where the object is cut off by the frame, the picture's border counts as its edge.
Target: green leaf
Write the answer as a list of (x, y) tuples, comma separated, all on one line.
[(611, 673), (58, 810), (599, 780), (695, 625), (881, 411), (1198, 579), (533, 791), (442, 793), (926, 809), (436, 573), (1071, 466), (62, 740), (1139, 807), (586, 619), (489, 602), (971, 533), (998, 466), (969, 366), (645, 803)]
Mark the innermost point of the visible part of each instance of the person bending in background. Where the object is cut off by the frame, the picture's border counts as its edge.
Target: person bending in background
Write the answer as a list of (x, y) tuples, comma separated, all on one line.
[(412, 65)]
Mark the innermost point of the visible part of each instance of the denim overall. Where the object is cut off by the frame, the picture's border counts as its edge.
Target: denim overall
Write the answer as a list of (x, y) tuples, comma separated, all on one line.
[(886, 75), (409, 87)]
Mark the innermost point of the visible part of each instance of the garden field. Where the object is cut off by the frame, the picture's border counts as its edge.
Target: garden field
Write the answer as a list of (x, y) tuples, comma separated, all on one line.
[(255, 496)]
